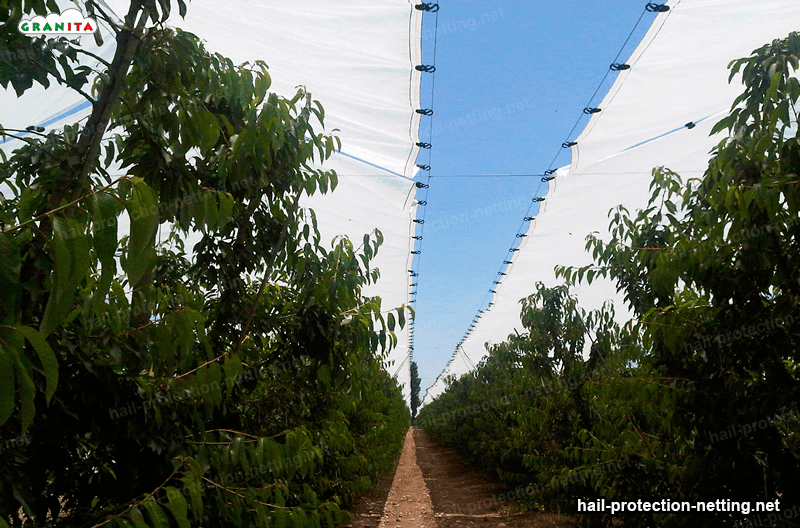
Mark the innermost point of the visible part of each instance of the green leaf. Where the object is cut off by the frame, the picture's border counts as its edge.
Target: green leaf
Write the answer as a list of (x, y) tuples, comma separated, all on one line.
[(215, 382), (78, 243), (245, 463), (235, 449), (232, 368), (259, 453), (197, 210), (143, 212), (138, 518), (226, 203), (324, 376), (104, 229), (165, 8), (73, 260), (10, 263), (27, 390), (191, 479), (178, 507), (157, 517), (280, 517), (207, 127), (109, 154), (46, 356), (7, 385), (334, 180), (62, 270), (274, 453), (211, 210)]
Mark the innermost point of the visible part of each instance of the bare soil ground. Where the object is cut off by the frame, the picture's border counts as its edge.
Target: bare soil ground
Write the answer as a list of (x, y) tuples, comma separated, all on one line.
[(368, 509), (435, 488)]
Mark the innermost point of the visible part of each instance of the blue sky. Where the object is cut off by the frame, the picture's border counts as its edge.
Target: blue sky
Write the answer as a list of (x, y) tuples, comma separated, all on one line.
[(512, 79)]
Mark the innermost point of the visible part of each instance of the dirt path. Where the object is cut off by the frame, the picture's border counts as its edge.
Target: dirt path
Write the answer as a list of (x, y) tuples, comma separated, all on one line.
[(434, 488), (409, 503), (465, 498)]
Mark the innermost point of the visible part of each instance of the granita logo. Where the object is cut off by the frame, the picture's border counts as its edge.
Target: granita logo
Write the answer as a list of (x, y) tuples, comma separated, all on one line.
[(70, 22)]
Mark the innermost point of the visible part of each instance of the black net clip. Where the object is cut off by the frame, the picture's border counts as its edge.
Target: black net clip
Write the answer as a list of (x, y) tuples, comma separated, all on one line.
[(431, 8), (422, 202), (427, 68), (424, 111), (418, 221), (588, 110), (529, 218), (656, 8), (423, 145), (538, 199), (568, 144), (424, 167), (421, 185), (619, 67)]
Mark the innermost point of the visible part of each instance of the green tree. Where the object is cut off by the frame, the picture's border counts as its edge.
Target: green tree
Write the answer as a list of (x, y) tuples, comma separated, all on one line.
[(415, 388), (712, 269), (543, 420), (236, 382)]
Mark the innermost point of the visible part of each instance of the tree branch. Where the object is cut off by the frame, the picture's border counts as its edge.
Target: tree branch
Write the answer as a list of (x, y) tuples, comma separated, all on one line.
[(88, 146)]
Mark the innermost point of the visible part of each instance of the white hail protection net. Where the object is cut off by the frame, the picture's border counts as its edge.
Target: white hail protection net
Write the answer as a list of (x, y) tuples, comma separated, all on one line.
[(678, 75), (357, 58)]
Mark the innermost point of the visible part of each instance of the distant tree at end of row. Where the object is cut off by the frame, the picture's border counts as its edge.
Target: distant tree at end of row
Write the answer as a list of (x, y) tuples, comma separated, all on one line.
[(415, 388)]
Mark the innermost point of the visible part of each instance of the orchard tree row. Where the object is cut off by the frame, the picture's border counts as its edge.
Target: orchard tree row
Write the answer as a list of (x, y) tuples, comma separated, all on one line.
[(146, 382), (697, 397)]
